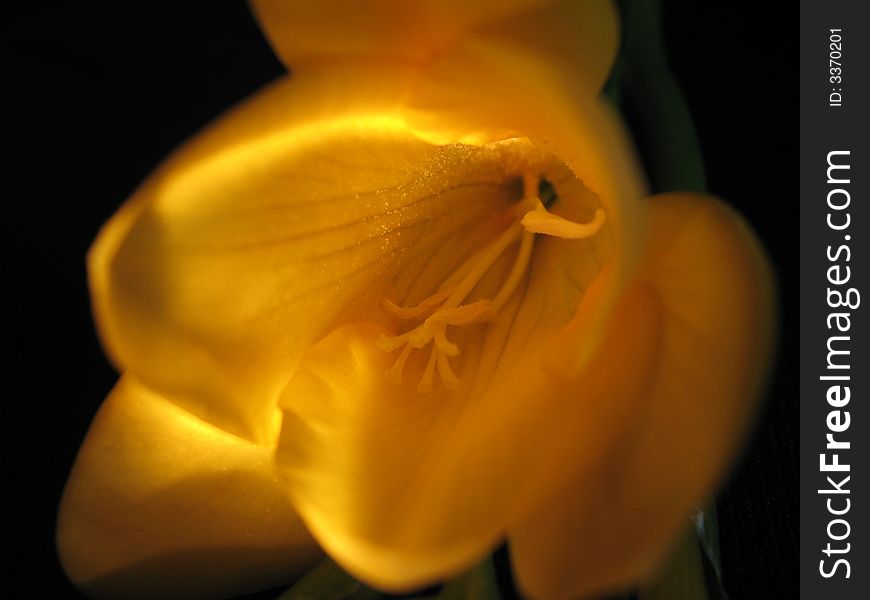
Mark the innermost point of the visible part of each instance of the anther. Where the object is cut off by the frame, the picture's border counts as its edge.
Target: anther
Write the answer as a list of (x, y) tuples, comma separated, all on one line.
[(444, 345)]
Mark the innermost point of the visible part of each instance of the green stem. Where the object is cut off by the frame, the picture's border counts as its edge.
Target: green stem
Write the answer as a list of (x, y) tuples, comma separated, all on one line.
[(682, 577), (649, 90), (328, 581), (478, 584)]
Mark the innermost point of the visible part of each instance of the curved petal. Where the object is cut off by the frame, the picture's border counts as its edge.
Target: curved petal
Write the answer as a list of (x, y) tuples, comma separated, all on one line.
[(578, 36), (404, 489), (271, 229), (608, 527), (403, 526), (480, 92), (160, 504), (184, 308), (201, 282)]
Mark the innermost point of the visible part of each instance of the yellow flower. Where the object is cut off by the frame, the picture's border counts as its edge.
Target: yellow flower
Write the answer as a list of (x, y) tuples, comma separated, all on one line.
[(422, 275)]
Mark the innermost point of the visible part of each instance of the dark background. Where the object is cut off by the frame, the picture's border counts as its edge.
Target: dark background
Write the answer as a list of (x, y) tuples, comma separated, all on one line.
[(96, 96)]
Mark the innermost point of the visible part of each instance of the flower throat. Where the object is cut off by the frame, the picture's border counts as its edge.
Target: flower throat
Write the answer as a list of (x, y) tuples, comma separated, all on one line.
[(529, 217)]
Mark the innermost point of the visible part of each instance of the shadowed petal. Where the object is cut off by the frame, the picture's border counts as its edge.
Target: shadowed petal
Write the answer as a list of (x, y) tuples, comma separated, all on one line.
[(161, 504), (404, 489), (608, 527), (580, 37)]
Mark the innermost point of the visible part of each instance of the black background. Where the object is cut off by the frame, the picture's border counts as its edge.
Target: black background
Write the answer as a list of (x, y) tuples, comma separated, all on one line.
[(96, 96)]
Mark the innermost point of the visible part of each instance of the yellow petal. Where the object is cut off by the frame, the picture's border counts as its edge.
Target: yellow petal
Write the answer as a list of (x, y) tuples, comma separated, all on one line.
[(579, 36), (608, 527), (404, 489), (480, 93), (270, 229), (161, 504), (402, 526), (180, 295), (252, 241)]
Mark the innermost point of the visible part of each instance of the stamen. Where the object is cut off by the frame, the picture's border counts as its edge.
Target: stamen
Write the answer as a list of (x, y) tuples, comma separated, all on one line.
[(421, 311), (451, 282), (482, 266), (422, 335), (517, 272), (426, 382), (395, 372), (451, 381), (444, 345), (476, 312), (388, 343), (444, 308)]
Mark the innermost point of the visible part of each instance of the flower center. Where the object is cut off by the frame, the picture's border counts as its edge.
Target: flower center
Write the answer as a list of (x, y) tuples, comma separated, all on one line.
[(445, 308)]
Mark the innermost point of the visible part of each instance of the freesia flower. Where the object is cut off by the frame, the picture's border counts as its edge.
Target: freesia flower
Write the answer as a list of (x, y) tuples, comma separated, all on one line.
[(415, 295)]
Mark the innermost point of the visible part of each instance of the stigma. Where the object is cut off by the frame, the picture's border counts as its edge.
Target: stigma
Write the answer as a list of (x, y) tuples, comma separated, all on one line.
[(431, 319)]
